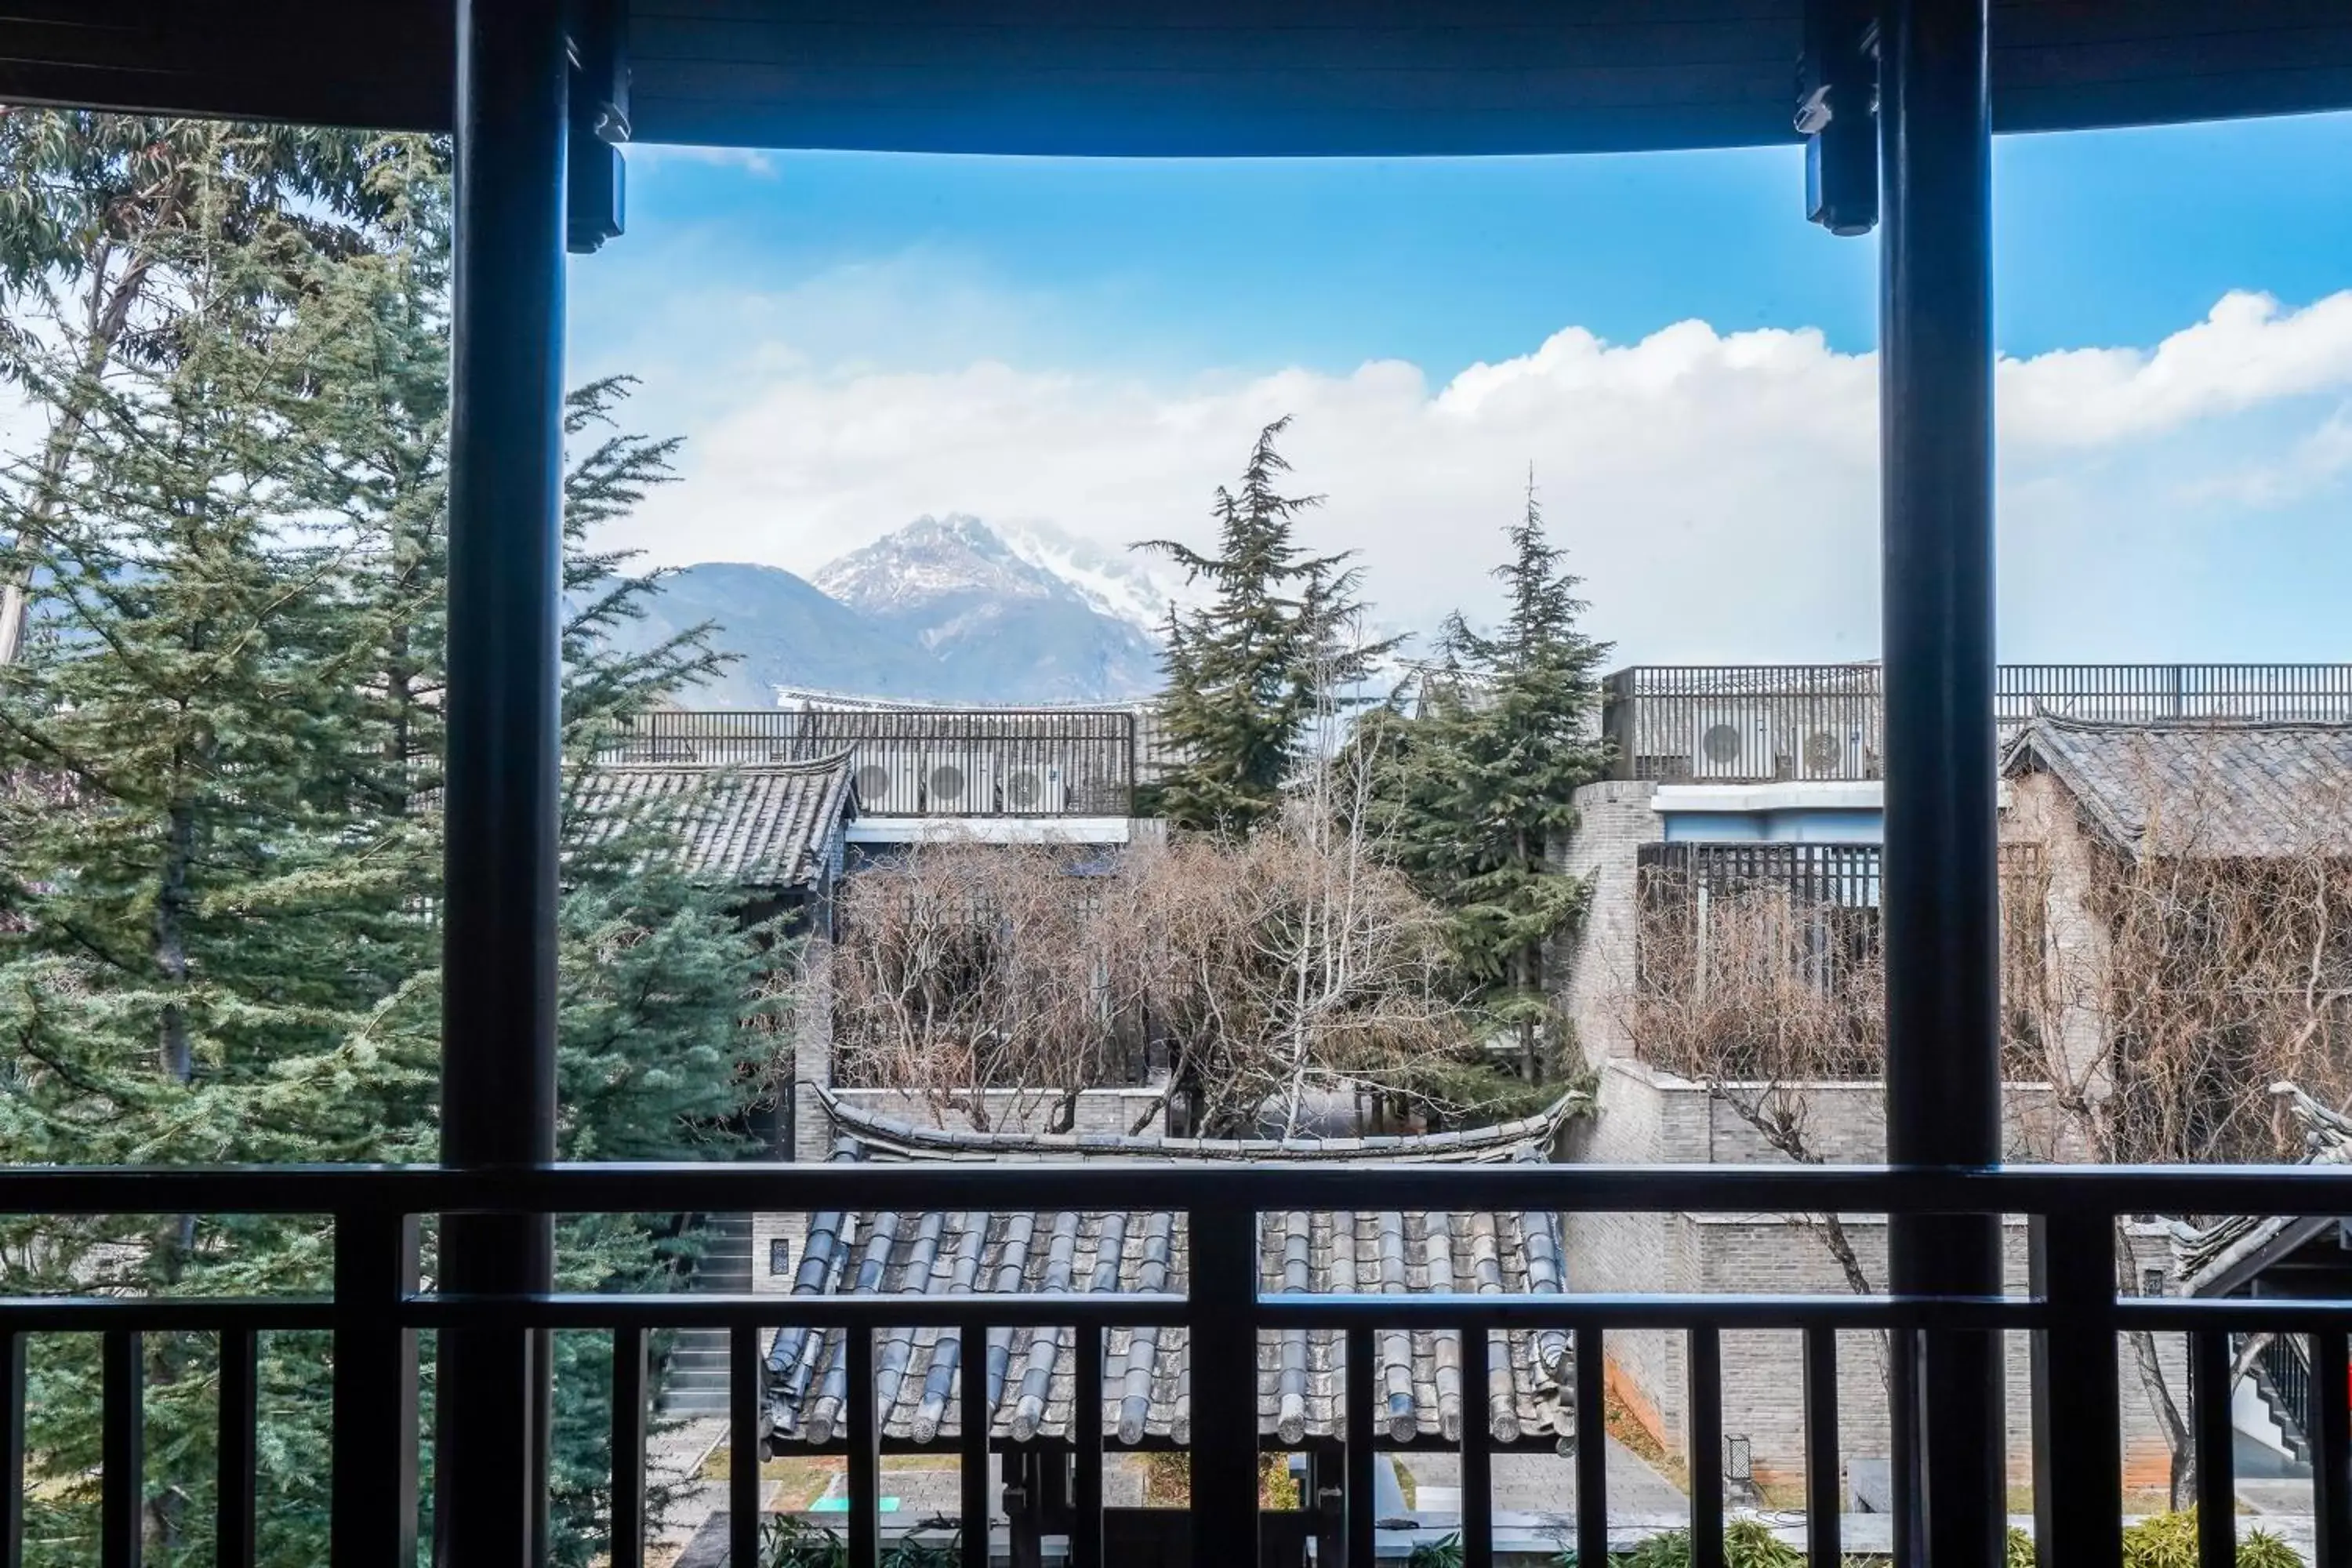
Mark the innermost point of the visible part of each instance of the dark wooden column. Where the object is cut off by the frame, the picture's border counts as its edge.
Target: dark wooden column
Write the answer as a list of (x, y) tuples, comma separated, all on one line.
[(1940, 889), (1223, 1339), (497, 1054)]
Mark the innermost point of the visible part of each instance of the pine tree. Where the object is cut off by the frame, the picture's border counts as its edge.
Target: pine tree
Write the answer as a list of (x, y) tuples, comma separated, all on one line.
[(657, 975), (195, 965), (1483, 782), (108, 222), (218, 850), (1247, 670)]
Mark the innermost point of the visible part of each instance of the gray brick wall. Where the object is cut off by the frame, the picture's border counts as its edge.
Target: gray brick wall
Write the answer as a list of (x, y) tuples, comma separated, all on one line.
[(813, 1062), (1733, 1254), (1614, 818), (767, 1229), (1642, 1115), (2075, 945), (812, 1132), (1646, 1118)]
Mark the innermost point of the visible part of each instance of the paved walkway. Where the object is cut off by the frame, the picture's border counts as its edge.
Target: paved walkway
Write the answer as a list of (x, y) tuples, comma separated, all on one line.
[(675, 1457), (1544, 1483), (1534, 1499), (1538, 1489)]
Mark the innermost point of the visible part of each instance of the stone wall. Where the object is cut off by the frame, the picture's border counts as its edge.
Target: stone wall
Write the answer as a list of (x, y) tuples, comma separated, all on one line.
[(2075, 944), (1647, 1118), (1769, 1254), (1644, 1117), (1613, 820)]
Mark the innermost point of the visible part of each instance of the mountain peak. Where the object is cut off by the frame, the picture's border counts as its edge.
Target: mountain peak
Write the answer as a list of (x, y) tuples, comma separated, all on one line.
[(930, 562), (957, 529), (1014, 615)]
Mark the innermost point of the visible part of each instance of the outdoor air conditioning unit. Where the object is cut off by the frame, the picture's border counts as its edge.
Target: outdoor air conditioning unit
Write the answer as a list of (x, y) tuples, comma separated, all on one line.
[(892, 786), (1831, 752), (1036, 788), (1732, 742), (957, 783)]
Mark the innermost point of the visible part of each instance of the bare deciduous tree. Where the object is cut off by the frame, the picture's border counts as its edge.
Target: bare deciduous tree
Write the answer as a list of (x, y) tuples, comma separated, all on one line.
[(2158, 990), (1769, 993), (1760, 994), (2183, 977), (966, 973), (1264, 972), (1285, 965)]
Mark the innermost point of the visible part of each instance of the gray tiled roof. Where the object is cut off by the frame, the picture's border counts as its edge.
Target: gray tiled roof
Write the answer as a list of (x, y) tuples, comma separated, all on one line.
[(1146, 1398), (2213, 788), (764, 825), (2211, 1260)]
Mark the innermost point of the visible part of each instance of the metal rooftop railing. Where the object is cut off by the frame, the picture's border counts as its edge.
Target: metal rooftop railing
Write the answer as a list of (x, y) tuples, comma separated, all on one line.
[(922, 762), (1760, 724)]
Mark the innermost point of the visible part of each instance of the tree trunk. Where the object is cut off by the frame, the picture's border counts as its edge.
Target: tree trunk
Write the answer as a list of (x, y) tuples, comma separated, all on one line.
[(1523, 980), (109, 316), (176, 1236), (1782, 1133), (174, 1054), (2183, 1476)]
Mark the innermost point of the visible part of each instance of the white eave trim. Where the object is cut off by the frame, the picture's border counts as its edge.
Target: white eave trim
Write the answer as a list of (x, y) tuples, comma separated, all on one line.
[(1866, 795), (991, 830)]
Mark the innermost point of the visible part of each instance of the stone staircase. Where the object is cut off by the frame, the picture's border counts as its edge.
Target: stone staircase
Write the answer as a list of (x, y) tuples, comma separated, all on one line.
[(2289, 1430), (698, 1363)]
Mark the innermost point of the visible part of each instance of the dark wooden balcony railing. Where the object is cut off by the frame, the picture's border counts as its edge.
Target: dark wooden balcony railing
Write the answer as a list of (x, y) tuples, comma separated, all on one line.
[(375, 1309), (1759, 723), (920, 761)]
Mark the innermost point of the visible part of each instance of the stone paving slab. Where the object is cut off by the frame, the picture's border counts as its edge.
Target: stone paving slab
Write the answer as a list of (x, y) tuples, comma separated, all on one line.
[(1545, 1483)]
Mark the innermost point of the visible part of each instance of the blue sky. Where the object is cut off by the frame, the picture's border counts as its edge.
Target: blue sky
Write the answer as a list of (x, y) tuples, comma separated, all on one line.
[(849, 340)]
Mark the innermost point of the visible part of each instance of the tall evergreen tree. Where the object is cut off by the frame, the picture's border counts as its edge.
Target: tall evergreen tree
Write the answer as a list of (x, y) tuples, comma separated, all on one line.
[(1483, 781), (109, 222), (217, 845), (1247, 670), (195, 966)]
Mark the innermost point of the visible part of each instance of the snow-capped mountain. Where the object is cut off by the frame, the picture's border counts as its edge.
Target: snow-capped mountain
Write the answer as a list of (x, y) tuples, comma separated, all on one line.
[(931, 563), (1126, 584), (946, 610), (782, 631), (1047, 620)]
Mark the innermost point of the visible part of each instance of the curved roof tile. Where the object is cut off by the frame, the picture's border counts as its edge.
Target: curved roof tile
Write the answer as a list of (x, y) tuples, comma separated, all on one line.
[(763, 825)]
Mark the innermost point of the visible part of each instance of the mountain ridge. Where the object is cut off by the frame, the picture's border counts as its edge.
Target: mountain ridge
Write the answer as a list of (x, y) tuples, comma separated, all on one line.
[(944, 609)]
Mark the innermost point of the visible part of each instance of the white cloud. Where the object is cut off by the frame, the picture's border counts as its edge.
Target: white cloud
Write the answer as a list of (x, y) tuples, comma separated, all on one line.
[(2247, 352), (1718, 491), (2314, 464)]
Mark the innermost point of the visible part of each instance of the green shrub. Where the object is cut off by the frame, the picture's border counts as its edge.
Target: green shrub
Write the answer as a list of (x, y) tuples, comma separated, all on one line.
[(2164, 1541), (787, 1541), (2018, 1551), (1670, 1550), (2170, 1540), (2261, 1549), (1750, 1543), (914, 1552), (1445, 1553), (1747, 1543)]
